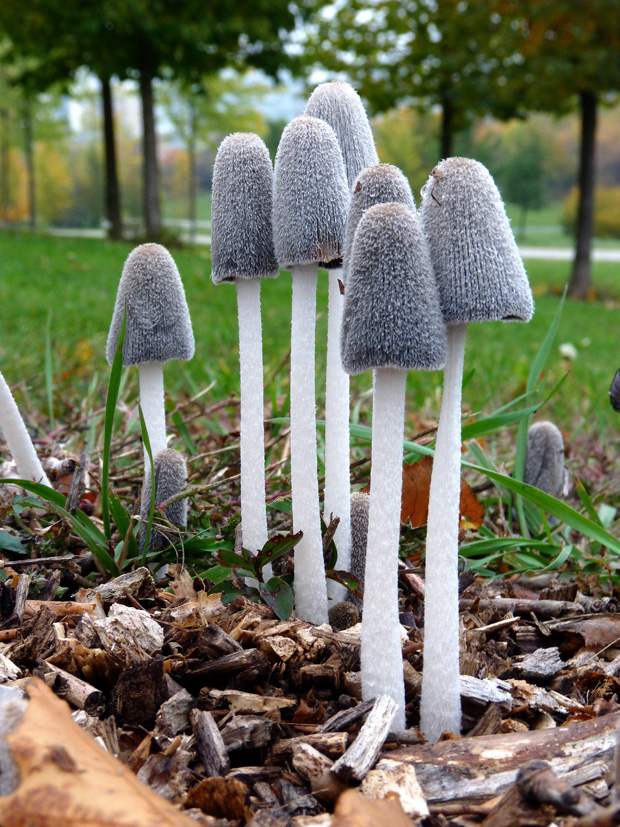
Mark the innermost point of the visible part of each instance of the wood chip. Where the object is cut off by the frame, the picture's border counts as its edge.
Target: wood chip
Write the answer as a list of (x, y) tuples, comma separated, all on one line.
[(364, 751)]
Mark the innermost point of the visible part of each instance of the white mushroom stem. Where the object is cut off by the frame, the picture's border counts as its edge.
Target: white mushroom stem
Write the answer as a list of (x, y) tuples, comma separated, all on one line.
[(440, 707), (382, 660), (151, 378), (337, 494), (310, 587), (17, 438), (252, 436)]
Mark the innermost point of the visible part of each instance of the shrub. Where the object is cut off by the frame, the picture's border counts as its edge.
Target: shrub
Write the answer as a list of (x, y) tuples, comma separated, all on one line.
[(606, 212)]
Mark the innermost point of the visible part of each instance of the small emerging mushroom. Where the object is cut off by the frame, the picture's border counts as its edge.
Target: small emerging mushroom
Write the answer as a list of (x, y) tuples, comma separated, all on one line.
[(338, 104), (360, 503), (18, 440), (544, 459), (170, 479), (392, 323), (481, 278), (158, 328), (309, 212), (614, 392), (242, 254)]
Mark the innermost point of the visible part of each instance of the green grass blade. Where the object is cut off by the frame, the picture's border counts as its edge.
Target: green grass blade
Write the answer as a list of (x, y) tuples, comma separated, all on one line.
[(123, 521), (49, 370), (532, 381), (110, 410), (81, 524), (181, 427), (149, 453)]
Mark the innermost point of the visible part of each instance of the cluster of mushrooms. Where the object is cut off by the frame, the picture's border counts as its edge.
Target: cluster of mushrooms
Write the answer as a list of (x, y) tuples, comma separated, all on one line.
[(413, 280)]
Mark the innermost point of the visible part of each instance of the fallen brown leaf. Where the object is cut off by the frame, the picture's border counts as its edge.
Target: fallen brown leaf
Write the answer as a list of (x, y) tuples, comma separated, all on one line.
[(68, 778), (416, 491), (353, 810)]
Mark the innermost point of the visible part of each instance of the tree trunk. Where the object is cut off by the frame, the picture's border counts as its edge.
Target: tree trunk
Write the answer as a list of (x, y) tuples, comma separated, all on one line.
[(193, 189), (29, 153), (112, 191), (447, 125), (580, 277), (152, 206)]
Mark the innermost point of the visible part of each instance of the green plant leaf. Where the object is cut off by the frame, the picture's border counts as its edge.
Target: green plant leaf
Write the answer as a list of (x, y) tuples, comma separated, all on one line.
[(276, 547), (9, 542), (49, 370), (108, 426), (149, 453), (122, 521), (345, 578), (278, 594), (80, 523), (217, 574)]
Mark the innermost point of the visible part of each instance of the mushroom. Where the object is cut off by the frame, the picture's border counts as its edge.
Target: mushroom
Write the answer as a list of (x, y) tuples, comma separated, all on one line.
[(481, 278), (309, 212), (158, 328), (378, 184), (338, 104), (170, 473), (17, 438), (242, 253), (614, 392), (392, 323), (360, 502), (544, 459)]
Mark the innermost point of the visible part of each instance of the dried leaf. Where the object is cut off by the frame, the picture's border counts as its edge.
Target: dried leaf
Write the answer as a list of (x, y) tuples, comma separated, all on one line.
[(353, 810), (416, 490), (68, 779)]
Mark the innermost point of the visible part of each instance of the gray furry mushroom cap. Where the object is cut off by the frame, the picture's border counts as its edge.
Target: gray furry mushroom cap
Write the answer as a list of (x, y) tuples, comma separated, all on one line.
[(170, 471), (479, 271), (311, 196), (544, 458), (391, 317), (338, 104), (158, 326), (378, 184), (241, 231)]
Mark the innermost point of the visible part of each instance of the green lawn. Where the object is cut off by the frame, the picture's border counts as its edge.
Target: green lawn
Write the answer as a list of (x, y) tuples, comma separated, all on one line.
[(76, 280)]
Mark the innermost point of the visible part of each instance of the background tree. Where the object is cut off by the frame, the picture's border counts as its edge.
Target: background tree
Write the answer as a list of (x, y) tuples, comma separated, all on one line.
[(450, 55), (145, 40), (569, 53)]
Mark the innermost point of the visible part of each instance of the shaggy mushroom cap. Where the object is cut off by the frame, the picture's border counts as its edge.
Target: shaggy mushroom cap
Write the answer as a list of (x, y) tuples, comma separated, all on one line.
[(544, 458), (241, 230), (338, 104), (158, 326), (170, 470), (311, 195), (479, 271), (378, 184), (391, 317), (614, 392)]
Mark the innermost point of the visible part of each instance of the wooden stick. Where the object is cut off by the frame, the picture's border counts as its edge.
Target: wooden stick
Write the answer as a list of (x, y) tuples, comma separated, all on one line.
[(364, 751)]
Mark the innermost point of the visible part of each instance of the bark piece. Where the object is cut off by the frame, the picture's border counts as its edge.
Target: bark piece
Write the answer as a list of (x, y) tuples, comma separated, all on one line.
[(524, 608), (391, 778), (210, 743), (364, 751), (247, 732), (77, 692), (173, 714), (476, 769), (342, 720), (248, 702), (541, 664), (67, 778), (538, 784), (229, 664), (315, 768), (330, 743), (221, 798), (138, 694), (166, 775)]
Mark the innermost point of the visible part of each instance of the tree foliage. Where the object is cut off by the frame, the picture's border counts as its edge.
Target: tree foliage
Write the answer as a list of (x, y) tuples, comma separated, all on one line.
[(451, 54)]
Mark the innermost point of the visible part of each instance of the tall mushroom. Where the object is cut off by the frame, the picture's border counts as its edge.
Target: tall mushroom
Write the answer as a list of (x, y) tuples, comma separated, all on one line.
[(309, 212), (158, 328), (242, 253), (378, 184), (481, 278), (18, 440), (339, 105), (392, 323), (170, 473)]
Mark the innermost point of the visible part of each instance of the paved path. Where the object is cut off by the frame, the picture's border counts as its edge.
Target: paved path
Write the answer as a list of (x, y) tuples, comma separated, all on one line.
[(566, 253), (550, 253)]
